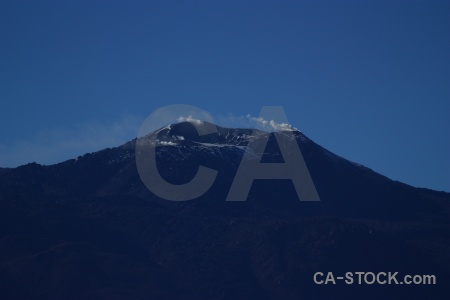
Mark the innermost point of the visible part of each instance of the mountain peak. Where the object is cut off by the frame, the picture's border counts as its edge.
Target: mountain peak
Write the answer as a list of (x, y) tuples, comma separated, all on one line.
[(95, 216), (206, 132)]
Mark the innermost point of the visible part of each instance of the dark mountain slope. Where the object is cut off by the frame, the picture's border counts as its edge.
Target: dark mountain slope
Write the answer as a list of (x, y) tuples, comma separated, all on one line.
[(89, 229)]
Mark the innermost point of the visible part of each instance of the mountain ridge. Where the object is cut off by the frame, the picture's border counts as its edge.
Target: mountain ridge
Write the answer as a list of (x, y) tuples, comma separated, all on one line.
[(89, 228), (193, 147)]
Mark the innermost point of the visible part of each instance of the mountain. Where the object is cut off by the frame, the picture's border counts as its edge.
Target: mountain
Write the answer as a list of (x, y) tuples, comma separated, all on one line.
[(88, 228)]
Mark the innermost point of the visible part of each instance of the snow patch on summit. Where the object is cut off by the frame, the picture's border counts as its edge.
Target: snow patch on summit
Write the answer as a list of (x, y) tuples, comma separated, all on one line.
[(164, 143)]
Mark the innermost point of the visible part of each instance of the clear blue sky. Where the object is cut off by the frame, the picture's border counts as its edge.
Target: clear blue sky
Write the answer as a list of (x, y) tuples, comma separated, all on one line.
[(369, 80)]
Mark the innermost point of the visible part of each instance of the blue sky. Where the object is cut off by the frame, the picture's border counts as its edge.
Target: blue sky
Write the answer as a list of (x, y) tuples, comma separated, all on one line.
[(369, 80)]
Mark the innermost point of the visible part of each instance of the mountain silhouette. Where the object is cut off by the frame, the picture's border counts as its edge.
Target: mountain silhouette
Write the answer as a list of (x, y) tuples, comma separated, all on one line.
[(88, 228)]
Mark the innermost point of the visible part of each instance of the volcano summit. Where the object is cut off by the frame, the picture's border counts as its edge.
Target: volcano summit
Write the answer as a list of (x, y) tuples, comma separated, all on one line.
[(88, 228)]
